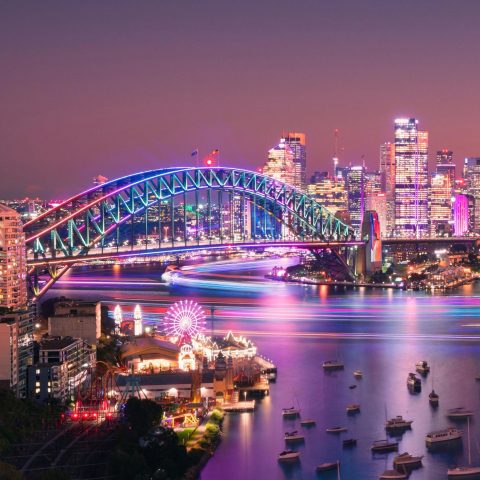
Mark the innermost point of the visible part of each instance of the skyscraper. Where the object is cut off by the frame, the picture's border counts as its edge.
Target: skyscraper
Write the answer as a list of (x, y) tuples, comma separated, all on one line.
[(296, 141), (356, 196), (387, 180), (330, 193), (440, 205), (445, 166), (279, 164), (463, 207), (378, 203), (471, 175), (411, 179)]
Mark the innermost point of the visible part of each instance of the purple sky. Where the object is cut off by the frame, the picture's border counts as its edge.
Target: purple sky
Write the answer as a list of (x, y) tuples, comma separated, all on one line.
[(115, 87)]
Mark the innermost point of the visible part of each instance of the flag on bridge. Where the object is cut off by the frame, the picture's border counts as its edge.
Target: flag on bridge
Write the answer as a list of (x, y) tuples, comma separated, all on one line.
[(194, 153)]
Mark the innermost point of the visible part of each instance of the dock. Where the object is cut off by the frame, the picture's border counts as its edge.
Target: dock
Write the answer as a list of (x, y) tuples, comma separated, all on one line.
[(246, 406)]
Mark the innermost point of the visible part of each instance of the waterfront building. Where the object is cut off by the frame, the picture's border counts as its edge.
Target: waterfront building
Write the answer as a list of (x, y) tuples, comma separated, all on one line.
[(76, 319), (13, 265), (440, 205), (16, 348), (471, 176), (64, 364), (280, 164), (463, 212), (296, 141), (330, 193), (411, 179), (378, 203), (356, 195), (387, 181)]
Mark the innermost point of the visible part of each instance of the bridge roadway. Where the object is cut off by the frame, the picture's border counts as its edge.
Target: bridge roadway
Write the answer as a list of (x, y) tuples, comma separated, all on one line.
[(166, 248)]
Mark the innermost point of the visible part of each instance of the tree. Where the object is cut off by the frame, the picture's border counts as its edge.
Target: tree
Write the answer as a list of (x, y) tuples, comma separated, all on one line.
[(9, 472), (142, 415)]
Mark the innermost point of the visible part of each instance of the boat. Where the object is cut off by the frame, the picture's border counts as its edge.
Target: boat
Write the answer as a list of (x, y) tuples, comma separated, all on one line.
[(384, 446), (443, 435), (407, 460), (332, 365), (288, 456), (351, 387), (398, 423), (413, 381), (307, 422), (293, 436), (422, 367), (336, 429), (327, 466), (353, 408), (392, 474), (349, 442), (290, 412), (358, 374), (433, 398), (465, 472), (459, 413)]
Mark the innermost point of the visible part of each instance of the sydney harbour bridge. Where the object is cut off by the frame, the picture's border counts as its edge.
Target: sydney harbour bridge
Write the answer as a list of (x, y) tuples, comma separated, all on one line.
[(178, 210)]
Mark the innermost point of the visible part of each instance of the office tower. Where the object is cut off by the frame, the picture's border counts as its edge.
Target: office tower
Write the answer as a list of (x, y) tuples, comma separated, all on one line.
[(378, 203), (318, 176), (296, 141), (387, 180), (13, 269), (356, 196), (445, 166), (440, 205), (372, 183), (411, 179), (463, 208), (471, 176), (329, 193), (280, 163)]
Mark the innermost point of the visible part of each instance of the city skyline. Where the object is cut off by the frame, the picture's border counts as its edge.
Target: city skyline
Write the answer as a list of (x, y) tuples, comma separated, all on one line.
[(110, 91)]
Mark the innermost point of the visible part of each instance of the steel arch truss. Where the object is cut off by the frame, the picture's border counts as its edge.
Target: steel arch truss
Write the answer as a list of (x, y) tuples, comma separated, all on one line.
[(78, 228)]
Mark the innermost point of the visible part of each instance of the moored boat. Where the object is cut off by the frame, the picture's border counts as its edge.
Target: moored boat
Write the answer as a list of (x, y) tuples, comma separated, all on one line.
[(422, 367), (288, 456), (443, 435), (290, 412), (349, 442), (407, 460), (353, 408), (464, 472), (307, 422), (413, 381), (392, 474), (336, 429), (384, 446), (433, 398), (459, 413), (398, 423), (327, 466), (293, 436), (332, 365), (358, 374)]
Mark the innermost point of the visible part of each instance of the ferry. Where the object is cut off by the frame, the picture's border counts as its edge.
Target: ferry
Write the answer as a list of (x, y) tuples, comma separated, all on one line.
[(407, 460), (398, 423), (443, 435), (459, 413), (422, 367), (290, 412), (353, 408), (288, 456), (384, 446), (413, 381), (392, 474), (332, 365), (336, 429), (293, 436)]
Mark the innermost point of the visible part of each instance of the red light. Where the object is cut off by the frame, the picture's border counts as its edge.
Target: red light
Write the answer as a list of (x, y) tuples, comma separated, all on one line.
[(209, 161), (75, 416), (109, 415)]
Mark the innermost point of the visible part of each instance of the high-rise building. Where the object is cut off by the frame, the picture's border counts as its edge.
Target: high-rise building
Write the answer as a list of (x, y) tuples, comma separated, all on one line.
[(378, 203), (387, 180), (296, 141), (279, 164), (440, 205), (373, 184), (330, 193), (411, 179), (463, 208), (471, 176), (445, 166), (356, 196)]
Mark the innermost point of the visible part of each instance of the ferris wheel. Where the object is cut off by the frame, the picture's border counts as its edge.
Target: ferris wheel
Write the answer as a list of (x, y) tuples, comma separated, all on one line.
[(184, 319)]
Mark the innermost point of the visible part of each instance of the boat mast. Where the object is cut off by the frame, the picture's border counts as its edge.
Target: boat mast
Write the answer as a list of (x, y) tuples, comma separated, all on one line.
[(338, 470), (469, 452)]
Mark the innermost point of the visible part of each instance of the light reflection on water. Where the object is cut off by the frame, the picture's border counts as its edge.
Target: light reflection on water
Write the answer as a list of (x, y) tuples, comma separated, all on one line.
[(382, 332)]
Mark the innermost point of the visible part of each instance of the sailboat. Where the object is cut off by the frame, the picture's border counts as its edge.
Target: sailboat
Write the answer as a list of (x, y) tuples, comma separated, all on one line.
[(433, 396), (465, 472)]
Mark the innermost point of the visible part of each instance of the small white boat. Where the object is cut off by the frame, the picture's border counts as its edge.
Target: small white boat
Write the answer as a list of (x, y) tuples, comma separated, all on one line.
[(464, 472), (459, 412), (327, 466), (407, 460), (413, 381), (336, 429), (392, 474), (422, 367), (398, 423), (353, 408), (358, 374), (293, 436), (384, 446), (290, 412), (443, 435), (307, 422), (332, 365), (288, 456)]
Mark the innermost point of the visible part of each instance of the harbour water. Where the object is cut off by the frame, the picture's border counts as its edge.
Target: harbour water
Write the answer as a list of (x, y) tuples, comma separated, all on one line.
[(382, 332)]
